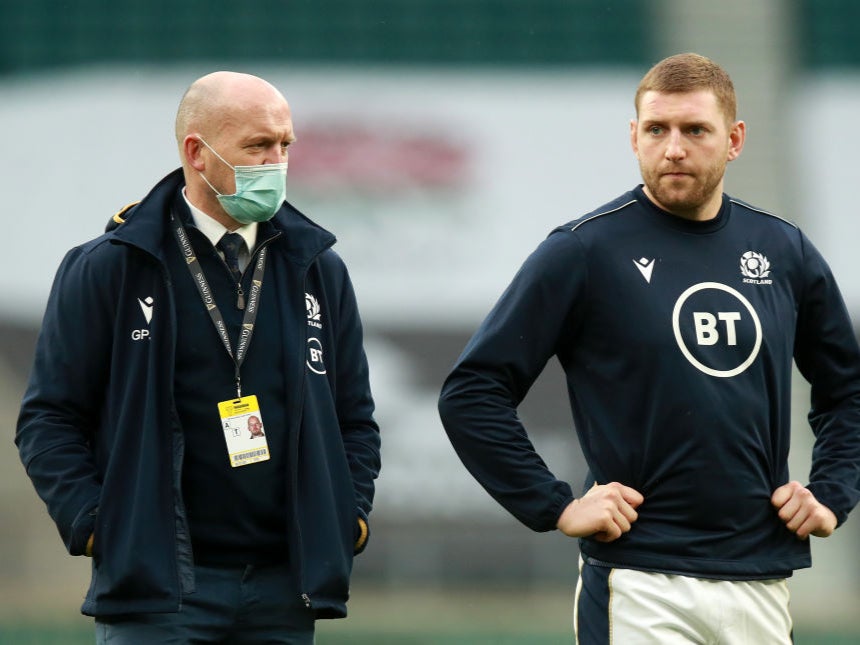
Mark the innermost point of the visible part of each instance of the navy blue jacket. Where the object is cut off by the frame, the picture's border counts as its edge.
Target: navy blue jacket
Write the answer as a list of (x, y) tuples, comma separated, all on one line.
[(99, 435), (677, 340)]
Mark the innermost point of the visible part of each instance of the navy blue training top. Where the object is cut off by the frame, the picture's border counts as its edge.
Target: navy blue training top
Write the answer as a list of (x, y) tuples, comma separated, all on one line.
[(677, 339)]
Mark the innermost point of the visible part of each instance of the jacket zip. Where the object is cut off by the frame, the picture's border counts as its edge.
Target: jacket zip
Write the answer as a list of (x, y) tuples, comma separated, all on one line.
[(240, 295), (168, 285), (294, 478), (176, 468)]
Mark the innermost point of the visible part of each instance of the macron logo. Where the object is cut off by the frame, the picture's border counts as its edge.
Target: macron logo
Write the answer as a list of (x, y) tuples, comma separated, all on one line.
[(146, 306), (646, 267)]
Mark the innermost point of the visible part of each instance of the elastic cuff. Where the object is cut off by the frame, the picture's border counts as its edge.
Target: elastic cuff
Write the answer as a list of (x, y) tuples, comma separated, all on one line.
[(363, 533), (82, 531)]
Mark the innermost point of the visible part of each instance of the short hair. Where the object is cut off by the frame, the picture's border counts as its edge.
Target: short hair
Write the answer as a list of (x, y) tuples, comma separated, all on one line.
[(689, 73)]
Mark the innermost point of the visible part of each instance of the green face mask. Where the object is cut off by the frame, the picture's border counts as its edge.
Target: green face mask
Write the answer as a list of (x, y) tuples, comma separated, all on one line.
[(260, 191)]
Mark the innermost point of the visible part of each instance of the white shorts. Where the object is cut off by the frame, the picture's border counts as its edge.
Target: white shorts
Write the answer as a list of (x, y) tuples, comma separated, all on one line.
[(628, 607)]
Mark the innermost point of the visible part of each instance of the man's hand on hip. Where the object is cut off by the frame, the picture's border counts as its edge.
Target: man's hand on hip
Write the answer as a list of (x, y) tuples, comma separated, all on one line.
[(605, 512), (802, 514)]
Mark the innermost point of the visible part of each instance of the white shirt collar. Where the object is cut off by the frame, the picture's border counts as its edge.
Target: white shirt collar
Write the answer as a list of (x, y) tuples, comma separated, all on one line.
[(214, 230)]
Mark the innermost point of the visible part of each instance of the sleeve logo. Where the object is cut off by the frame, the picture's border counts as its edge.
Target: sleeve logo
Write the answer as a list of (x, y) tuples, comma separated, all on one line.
[(314, 314), (147, 305)]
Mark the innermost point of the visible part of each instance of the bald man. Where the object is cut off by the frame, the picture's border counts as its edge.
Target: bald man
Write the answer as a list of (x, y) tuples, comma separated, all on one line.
[(209, 305)]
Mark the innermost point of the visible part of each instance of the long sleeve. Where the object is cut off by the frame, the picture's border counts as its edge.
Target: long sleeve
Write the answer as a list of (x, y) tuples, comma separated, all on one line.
[(478, 402), (827, 354), (59, 412), (355, 404)]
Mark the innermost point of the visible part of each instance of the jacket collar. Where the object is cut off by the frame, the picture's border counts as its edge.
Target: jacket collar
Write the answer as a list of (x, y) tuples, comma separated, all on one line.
[(147, 225)]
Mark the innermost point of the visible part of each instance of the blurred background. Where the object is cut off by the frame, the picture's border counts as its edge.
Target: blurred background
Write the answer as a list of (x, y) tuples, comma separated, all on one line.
[(441, 140)]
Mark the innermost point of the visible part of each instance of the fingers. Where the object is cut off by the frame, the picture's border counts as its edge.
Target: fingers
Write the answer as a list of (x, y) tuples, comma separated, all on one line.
[(789, 500), (812, 519), (782, 494), (622, 502), (626, 505), (607, 536), (605, 512), (802, 514), (632, 496), (824, 524)]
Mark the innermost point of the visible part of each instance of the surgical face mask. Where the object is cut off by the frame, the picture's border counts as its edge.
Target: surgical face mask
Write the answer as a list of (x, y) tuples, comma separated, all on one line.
[(260, 191)]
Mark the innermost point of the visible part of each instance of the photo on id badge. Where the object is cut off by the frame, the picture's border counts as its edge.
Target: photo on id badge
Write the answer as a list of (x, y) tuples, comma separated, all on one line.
[(243, 431)]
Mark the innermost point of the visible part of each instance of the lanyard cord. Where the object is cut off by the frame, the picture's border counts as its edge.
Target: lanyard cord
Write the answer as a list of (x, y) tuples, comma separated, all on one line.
[(193, 264)]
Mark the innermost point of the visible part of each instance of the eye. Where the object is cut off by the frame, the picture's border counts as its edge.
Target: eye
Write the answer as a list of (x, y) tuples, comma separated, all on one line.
[(655, 130), (697, 130)]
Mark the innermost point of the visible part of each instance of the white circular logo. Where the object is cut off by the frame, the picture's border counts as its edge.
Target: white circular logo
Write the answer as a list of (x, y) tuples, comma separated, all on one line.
[(710, 332), (315, 356)]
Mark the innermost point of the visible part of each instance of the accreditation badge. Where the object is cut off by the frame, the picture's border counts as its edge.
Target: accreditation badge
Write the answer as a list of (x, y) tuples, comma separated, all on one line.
[(243, 430)]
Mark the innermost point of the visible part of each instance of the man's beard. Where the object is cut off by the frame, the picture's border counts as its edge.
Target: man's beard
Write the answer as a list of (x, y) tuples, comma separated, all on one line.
[(695, 190)]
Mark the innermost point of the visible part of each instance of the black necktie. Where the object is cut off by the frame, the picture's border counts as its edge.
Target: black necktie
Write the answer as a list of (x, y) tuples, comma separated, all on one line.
[(230, 245)]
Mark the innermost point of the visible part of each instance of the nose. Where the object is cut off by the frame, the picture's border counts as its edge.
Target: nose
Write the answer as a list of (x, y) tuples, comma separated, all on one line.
[(674, 147)]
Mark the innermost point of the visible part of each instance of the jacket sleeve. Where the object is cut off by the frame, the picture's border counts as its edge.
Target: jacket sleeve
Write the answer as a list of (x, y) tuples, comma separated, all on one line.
[(355, 406), (479, 400), (827, 355), (60, 408)]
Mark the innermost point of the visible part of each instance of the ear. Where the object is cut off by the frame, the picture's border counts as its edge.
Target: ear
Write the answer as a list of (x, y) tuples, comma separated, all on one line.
[(737, 136), (634, 141), (192, 148)]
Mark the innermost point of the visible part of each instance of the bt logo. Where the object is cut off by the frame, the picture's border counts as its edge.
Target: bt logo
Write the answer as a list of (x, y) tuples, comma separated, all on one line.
[(727, 332), (706, 327), (315, 356)]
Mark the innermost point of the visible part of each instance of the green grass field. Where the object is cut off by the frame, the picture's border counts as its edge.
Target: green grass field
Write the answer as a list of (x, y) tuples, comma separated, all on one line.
[(83, 635), (397, 616)]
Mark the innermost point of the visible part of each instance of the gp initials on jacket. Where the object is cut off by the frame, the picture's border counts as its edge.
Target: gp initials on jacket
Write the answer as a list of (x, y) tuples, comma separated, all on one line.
[(147, 306), (717, 329)]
